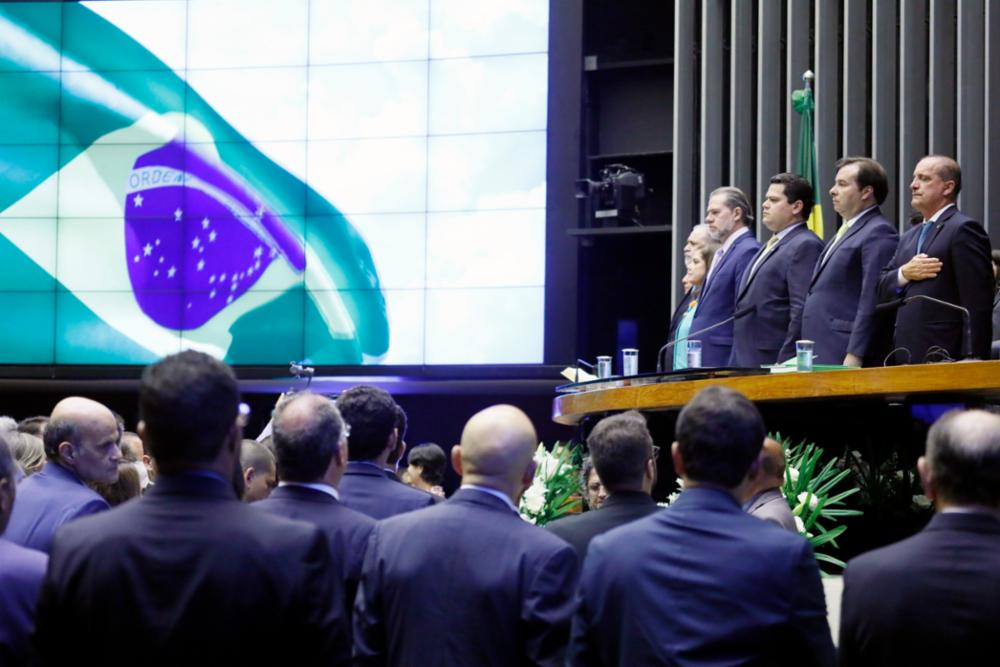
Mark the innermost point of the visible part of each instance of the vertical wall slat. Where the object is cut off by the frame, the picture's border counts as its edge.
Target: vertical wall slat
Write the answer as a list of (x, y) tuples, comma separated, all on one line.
[(828, 101), (712, 95), (855, 93), (942, 97), (797, 61), (770, 103), (991, 169), (912, 99), (971, 123), (741, 86), (883, 118), (684, 178)]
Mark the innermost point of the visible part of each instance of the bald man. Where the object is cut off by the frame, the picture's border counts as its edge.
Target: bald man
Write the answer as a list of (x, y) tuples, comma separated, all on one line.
[(468, 582), (81, 445), (766, 500)]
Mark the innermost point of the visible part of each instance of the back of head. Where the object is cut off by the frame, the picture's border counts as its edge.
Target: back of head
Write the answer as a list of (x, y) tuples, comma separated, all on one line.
[(27, 450), (307, 432), (772, 460), (132, 449), (431, 460), (719, 433), (620, 446), (188, 403), (33, 425), (371, 416), (127, 486), (8, 470), (498, 443), (255, 455), (963, 453)]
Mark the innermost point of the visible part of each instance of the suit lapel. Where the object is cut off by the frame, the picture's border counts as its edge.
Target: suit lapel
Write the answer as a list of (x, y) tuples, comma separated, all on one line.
[(855, 228), (767, 258), (935, 230), (722, 264)]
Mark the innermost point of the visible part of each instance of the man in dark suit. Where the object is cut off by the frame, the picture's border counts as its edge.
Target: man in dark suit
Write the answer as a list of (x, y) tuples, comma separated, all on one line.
[(767, 501), (189, 574), (774, 285), (946, 257), (703, 583), (839, 312), (260, 472), (374, 440), (933, 599), (311, 442), (729, 217), (469, 582), (21, 572), (625, 458), (81, 444)]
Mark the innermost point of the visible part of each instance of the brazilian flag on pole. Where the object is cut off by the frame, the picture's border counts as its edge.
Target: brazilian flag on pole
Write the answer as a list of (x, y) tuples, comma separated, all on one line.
[(136, 221), (802, 102)]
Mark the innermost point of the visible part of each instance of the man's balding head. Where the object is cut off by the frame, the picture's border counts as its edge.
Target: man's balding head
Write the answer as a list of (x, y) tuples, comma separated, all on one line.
[(497, 450), (962, 464), (82, 435), (308, 435), (772, 461)]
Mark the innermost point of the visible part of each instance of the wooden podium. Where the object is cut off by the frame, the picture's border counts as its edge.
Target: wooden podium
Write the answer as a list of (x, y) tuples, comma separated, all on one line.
[(962, 381)]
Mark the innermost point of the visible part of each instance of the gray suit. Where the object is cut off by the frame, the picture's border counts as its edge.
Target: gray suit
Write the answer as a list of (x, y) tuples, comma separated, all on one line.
[(771, 506)]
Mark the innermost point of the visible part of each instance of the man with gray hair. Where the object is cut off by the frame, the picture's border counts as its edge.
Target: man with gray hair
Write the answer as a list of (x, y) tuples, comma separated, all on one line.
[(625, 459), (933, 599), (729, 217), (310, 439), (21, 572), (81, 444)]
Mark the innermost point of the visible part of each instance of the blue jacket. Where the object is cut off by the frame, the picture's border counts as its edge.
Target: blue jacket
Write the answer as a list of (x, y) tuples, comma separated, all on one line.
[(365, 488), (839, 313), (701, 583), (718, 299), (467, 582), (51, 497), (21, 572)]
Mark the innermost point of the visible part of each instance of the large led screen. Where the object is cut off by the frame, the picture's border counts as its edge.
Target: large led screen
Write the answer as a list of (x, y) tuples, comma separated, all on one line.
[(336, 181)]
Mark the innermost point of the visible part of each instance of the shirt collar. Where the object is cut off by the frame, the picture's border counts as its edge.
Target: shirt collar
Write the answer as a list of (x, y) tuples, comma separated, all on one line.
[(728, 243), (858, 216), (324, 488), (971, 509), (493, 492), (941, 210), (785, 232)]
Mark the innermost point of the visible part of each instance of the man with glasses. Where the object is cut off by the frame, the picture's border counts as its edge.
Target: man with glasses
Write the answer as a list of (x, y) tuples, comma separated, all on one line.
[(625, 459)]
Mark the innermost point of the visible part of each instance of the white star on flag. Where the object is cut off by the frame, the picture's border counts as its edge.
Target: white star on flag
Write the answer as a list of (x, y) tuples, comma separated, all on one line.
[(204, 223), (177, 214), (171, 271), (211, 236), (137, 201), (147, 250), (201, 264), (195, 242), (258, 252)]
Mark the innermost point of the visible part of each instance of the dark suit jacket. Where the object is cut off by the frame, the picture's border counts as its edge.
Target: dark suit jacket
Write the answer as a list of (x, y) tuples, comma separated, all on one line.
[(996, 316), (770, 505), (467, 582), (21, 572), (366, 489), (966, 279), (346, 530), (718, 298), (190, 575), (932, 599), (701, 583), (839, 309), (619, 508), (777, 291), (45, 501)]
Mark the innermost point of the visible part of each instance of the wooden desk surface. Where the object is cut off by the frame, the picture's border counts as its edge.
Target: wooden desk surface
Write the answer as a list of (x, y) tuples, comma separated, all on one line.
[(977, 378)]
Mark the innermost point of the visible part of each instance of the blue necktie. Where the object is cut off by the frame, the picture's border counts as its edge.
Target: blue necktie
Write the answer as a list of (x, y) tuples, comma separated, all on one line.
[(923, 235)]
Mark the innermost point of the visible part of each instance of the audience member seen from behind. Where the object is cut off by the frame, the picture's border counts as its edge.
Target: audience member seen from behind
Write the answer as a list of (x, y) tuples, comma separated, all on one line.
[(374, 440), (126, 487), (680, 325), (425, 468), (134, 452), (932, 599), (703, 583), (494, 589), (392, 462), (81, 445), (33, 425), (995, 254), (189, 574), (28, 451), (625, 457), (21, 572), (766, 500), (311, 443), (260, 474), (595, 493)]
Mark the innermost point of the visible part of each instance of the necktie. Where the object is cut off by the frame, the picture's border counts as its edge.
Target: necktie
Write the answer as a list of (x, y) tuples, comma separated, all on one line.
[(836, 240), (926, 227), (716, 258), (771, 242)]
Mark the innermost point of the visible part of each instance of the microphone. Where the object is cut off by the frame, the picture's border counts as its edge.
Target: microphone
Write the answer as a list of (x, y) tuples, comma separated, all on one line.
[(966, 322), (742, 312)]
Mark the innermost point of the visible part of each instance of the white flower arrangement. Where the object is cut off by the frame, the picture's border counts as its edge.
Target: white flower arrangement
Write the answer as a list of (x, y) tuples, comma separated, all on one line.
[(555, 491)]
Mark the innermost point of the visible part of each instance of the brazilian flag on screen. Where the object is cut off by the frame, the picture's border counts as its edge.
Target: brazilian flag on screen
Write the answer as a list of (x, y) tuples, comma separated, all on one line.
[(802, 102), (135, 221)]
